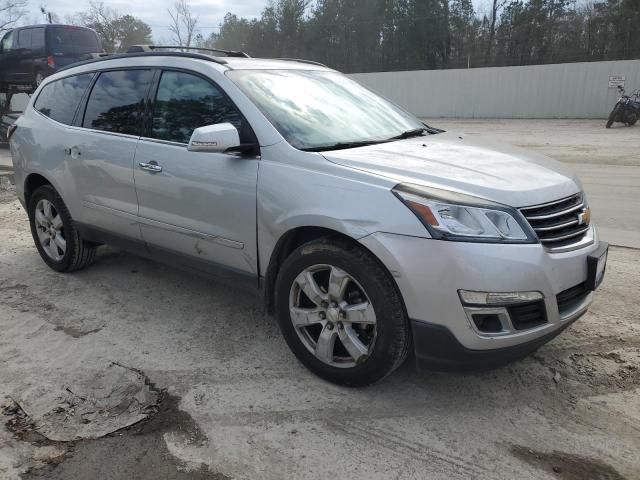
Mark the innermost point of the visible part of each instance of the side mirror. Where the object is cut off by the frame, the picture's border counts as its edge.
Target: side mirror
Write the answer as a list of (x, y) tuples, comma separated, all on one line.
[(219, 138)]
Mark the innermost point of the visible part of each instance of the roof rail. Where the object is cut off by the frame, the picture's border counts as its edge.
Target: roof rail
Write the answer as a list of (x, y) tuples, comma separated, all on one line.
[(153, 48), (197, 56), (302, 60)]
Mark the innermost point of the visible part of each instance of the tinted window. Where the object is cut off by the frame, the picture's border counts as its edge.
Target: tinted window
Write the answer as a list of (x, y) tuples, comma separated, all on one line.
[(185, 102), (59, 100), (73, 41), (24, 39), (37, 38), (7, 42), (116, 101)]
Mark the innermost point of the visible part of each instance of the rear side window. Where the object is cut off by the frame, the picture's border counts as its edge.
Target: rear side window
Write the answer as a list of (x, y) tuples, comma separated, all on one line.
[(185, 102), (37, 38), (72, 41), (59, 100), (24, 39), (117, 100)]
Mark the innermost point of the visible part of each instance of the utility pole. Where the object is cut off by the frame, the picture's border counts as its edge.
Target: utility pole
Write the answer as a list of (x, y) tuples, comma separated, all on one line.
[(47, 15)]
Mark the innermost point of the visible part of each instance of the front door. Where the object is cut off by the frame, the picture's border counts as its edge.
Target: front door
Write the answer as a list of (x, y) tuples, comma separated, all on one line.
[(8, 58), (103, 149), (199, 205)]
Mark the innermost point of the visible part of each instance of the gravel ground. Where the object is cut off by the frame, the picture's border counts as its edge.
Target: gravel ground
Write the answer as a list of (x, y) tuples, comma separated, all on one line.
[(130, 369), (232, 401)]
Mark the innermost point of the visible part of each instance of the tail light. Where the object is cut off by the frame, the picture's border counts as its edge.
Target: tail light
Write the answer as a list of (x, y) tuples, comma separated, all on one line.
[(10, 130), (51, 62)]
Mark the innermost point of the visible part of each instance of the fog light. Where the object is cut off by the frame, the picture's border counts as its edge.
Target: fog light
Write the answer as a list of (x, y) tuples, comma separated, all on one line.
[(496, 298)]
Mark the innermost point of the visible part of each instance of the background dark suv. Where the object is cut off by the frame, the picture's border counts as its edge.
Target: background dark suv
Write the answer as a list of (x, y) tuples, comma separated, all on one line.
[(30, 54)]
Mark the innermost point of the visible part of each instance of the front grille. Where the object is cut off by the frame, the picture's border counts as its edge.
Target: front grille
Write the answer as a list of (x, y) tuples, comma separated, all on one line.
[(569, 297), (527, 315), (558, 223)]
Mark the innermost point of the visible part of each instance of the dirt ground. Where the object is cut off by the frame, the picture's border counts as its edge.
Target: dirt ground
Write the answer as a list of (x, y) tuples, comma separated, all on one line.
[(192, 380)]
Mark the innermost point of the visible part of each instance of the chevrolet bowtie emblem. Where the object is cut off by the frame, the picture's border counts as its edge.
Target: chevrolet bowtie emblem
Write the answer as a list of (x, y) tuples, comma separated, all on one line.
[(584, 218)]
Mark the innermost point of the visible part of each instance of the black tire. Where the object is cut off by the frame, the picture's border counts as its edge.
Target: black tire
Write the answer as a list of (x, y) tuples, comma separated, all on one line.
[(79, 253), (612, 116), (35, 84), (393, 337)]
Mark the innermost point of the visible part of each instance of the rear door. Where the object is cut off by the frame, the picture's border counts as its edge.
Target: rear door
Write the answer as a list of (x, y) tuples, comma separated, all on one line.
[(103, 148), (200, 205), (38, 53), (24, 64)]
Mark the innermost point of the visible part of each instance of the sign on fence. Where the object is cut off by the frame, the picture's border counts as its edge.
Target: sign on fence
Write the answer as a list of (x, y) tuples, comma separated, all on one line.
[(616, 81)]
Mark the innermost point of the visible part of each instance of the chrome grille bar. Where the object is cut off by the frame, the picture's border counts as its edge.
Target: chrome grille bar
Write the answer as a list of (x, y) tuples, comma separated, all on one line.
[(558, 223), (555, 214)]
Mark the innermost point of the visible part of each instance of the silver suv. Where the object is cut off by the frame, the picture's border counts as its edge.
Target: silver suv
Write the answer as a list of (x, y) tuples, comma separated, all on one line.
[(370, 234)]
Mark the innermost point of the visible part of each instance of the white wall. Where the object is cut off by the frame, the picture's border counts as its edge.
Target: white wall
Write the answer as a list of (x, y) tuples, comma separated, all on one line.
[(568, 90)]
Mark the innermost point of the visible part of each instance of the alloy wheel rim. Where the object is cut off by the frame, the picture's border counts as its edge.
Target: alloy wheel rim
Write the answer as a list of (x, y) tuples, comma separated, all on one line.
[(50, 230), (333, 316)]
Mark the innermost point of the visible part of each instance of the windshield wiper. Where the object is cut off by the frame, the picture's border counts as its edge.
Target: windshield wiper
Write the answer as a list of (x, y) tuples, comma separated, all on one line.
[(416, 132), (343, 145)]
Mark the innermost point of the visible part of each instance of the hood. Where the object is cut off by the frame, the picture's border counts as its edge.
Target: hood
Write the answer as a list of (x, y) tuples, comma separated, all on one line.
[(505, 174)]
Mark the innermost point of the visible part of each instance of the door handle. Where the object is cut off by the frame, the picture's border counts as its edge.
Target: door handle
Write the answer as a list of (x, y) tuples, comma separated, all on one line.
[(152, 167)]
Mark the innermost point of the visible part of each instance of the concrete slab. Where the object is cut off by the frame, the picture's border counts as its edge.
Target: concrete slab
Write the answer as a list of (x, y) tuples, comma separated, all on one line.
[(262, 415)]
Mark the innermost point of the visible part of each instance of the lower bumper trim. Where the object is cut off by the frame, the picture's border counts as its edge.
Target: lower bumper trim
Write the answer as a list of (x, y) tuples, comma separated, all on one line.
[(437, 349)]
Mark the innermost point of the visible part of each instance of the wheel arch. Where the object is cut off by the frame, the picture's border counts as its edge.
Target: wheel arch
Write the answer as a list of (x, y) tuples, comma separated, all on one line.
[(32, 182), (294, 238)]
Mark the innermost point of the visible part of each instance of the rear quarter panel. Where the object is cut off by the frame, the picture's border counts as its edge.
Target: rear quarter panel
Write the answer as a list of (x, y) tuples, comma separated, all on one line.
[(37, 146)]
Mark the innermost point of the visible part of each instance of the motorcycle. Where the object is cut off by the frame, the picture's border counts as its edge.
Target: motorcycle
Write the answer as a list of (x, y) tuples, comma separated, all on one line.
[(627, 110)]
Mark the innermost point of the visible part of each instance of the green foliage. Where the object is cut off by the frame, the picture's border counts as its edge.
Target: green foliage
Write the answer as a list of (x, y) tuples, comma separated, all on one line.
[(374, 35)]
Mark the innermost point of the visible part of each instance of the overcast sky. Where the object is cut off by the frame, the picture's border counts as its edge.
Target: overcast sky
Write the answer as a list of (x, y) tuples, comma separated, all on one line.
[(154, 12)]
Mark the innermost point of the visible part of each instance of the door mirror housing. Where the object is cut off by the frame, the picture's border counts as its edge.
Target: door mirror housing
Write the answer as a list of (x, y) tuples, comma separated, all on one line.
[(218, 138)]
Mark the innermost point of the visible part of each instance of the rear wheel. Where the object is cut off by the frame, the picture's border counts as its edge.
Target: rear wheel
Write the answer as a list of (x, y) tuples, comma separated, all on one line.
[(341, 313), (55, 234)]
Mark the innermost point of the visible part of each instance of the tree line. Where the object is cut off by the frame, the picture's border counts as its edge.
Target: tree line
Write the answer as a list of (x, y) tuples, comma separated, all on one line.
[(386, 35)]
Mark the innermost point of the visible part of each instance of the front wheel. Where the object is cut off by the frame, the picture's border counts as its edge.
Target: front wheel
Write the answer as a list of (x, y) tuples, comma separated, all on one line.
[(612, 116), (341, 313)]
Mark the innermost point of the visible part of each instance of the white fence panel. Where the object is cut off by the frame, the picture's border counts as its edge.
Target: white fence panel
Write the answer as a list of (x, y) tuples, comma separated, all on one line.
[(568, 90)]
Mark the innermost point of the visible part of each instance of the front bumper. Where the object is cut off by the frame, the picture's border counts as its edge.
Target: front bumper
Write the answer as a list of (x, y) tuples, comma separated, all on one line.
[(430, 272), (437, 349)]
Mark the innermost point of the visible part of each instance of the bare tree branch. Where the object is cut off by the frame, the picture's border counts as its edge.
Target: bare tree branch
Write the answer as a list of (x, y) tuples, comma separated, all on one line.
[(184, 24), (11, 11)]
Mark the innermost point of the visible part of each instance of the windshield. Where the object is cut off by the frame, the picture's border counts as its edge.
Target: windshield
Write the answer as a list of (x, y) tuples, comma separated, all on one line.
[(318, 109), (73, 41)]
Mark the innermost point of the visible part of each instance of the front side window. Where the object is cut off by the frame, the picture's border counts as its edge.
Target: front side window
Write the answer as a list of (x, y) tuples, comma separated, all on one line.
[(185, 102), (7, 42), (117, 100), (59, 100), (318, 109)]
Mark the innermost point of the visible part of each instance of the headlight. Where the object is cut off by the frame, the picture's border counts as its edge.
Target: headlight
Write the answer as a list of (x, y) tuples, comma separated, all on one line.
[(455, 216)]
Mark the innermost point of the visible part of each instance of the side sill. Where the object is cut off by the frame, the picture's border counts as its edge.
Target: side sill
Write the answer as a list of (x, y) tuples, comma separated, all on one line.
[(210, 270)]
